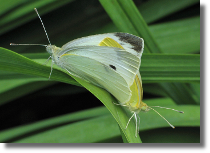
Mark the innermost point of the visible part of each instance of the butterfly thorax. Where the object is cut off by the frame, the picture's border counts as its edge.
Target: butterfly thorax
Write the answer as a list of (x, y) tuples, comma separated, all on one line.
[(137, 108), (54, 51), (144, 107)]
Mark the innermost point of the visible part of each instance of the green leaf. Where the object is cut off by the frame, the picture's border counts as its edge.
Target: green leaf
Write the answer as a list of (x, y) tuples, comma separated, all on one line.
[(170, 67), (15, 88), (152, 10), (11, 61), (177, 37), (19, 132), (85, 131)]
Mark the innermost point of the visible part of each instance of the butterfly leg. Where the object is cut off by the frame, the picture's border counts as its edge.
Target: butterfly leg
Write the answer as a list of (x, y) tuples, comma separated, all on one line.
[(129, 120), (138, 123), (51, 69), (118, 104), (47, 61)]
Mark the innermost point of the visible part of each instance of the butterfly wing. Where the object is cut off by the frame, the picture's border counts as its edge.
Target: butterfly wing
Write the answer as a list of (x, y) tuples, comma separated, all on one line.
[(110, 61), (129, 42), (100, 69)]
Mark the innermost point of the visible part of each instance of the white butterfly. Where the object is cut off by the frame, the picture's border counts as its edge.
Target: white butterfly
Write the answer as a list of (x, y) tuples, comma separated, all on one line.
[(95, 60)]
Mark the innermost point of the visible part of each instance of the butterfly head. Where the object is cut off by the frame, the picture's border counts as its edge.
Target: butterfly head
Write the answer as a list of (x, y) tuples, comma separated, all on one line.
[(51, 49), (144, 107)]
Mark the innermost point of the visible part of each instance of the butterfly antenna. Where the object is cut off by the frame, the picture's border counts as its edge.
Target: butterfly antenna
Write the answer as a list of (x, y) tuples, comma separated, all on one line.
[(13, 44), (42, 25), (163, 117), (168, 108)]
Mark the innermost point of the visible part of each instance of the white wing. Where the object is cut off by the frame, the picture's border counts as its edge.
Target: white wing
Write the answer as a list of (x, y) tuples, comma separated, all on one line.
[(111, 68), (121, 61), (129, 42), (109, 60)]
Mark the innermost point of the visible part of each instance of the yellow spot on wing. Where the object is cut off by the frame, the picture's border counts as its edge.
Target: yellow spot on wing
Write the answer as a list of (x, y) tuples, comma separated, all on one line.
[(110, 42), (68, 54)]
